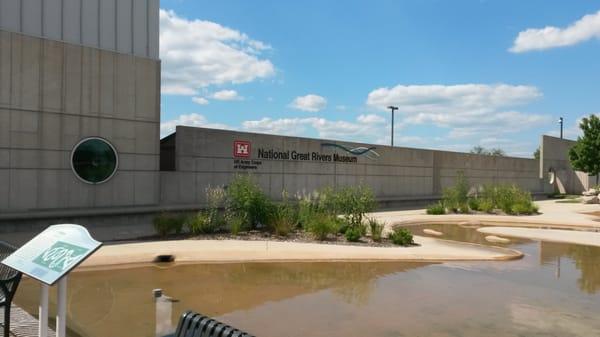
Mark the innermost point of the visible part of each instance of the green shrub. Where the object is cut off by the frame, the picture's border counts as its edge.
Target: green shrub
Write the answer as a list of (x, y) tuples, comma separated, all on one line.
[(376, 229), (474, 204), (508, 198), (201, 223), (436, 209), (354, 233), (354, 202), (486, 205), (246, 200), (401, 237), (322, 225), (456, 198), (166, 223)]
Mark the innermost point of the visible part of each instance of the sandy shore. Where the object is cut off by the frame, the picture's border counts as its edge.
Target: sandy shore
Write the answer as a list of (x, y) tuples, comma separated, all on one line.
[(227, 251), (559, 215), (553, 235), (553, 214)]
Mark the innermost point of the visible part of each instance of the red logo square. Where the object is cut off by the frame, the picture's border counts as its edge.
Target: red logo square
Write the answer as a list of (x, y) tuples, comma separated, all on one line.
[(241, 149)]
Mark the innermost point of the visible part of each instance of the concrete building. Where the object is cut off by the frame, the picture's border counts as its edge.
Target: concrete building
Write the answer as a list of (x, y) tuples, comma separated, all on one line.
[(80, 121), (72, 69)]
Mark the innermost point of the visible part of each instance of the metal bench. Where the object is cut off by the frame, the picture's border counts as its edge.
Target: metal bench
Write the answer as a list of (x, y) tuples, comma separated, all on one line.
[(9, 281), (192, 324)]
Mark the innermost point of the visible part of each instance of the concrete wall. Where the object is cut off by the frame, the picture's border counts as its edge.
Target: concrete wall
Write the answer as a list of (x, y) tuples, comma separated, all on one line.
[(52, 95), (554, 155), (205, 157), (126, 26)]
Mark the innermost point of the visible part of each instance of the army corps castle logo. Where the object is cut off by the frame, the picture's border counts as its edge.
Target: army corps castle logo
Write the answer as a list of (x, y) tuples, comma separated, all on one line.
[(241, 149)]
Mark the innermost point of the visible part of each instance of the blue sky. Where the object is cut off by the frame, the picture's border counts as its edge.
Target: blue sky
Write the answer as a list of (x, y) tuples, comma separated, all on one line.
[(463, 73)]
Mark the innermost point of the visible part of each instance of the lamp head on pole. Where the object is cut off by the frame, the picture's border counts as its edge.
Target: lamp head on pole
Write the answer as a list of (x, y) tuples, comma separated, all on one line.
[(393, 108)]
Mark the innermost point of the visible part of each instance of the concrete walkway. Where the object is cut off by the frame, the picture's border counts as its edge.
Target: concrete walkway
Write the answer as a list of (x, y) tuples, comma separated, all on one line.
[(22, 324), (553, 235), (220, 251), (553, 214)]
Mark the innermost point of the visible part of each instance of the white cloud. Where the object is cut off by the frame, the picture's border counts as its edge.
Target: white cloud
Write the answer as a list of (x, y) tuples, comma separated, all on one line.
[(310, 103), (586, 28), (197, 53), (227, 95), (193, 119), (200, 100), (371, 119), (468, 109), (364, 129)]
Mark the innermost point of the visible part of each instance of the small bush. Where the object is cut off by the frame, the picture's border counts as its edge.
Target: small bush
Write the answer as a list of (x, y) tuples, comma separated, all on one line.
[(201, 223), (166, 223), (436, 209), (354, 202), (322, 225), (463, 209), (354, 233), (376, 229), (486, 205), (401, 237), (474, 204)]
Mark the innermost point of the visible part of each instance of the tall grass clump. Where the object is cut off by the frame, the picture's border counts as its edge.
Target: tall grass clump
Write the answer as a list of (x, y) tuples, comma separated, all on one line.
[(376, 229), (168, 223), (510, 199), (200, 223), (245, 200), (456, 198), (284, 217)]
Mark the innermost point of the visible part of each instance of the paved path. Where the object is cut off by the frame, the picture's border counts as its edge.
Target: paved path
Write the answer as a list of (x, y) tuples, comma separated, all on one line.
[(553, 235), (553, 213), (22, 324), (211, 251)]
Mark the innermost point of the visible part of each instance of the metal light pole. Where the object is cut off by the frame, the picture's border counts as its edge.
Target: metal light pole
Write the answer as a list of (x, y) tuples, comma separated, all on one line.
[(393, 108), (561, 122)]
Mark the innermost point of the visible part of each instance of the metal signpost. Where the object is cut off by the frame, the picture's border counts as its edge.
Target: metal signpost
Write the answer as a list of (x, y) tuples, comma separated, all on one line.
[(48, 258)]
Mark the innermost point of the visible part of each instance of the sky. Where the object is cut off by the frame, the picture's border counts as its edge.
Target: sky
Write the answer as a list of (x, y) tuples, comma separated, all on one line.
[(496, 74)]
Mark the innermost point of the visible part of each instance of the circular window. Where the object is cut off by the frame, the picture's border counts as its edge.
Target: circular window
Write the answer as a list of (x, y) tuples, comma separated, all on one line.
[(94, 160)]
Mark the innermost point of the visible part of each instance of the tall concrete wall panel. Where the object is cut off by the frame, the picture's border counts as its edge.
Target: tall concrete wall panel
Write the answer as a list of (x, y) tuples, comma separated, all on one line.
[(554, 155), (53, 95), (126, 26), (206, 157)]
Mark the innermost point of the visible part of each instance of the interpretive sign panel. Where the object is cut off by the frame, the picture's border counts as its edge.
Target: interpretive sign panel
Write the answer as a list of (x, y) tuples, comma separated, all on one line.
[(53, 253)]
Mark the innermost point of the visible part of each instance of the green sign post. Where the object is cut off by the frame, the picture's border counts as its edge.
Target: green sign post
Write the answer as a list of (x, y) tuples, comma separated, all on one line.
[(48, 258)]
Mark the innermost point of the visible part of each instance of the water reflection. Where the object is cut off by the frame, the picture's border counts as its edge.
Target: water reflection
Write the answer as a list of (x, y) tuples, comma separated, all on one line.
[(553, 291), (123, 297)]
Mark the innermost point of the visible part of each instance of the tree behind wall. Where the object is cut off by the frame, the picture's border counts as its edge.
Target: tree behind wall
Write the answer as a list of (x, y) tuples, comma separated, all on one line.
[(488, 152), (585, 154)]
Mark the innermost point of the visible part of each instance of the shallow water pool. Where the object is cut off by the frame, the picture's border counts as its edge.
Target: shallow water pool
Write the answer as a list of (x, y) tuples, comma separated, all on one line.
[(553, 291)]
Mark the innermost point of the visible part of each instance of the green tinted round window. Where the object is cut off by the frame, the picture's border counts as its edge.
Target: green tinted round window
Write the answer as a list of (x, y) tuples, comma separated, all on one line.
[(94, 160)]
